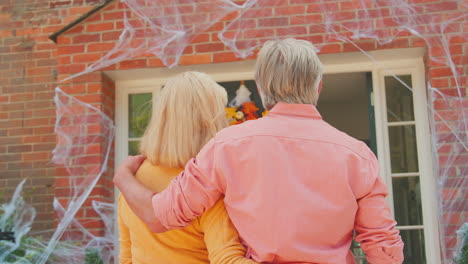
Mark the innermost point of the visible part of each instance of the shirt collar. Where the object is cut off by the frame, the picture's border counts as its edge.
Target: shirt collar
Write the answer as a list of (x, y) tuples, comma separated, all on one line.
[(306, 110)]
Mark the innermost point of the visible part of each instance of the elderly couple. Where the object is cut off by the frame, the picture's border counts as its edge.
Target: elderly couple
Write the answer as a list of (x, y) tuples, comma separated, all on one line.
[(286, 188)]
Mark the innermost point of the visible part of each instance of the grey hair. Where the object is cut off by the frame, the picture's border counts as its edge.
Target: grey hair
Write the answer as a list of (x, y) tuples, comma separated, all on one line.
[(288, 71)]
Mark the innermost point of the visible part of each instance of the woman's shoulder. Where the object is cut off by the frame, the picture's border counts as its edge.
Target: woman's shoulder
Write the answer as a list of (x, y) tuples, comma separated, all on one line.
[(155, 177)]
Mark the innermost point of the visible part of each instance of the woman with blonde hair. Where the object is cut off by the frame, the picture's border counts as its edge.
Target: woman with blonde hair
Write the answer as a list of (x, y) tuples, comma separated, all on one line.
[(188, 112)]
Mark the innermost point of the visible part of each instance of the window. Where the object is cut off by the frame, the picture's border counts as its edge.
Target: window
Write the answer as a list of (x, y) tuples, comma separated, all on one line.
[(139, 115), (407, 161)]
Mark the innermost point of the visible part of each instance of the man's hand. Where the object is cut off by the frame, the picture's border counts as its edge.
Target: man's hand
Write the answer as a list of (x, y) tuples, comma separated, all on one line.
[(127, 168), (138, 196)]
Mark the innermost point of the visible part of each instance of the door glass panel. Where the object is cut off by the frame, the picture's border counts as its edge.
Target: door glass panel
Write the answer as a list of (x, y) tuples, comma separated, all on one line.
[(133, 148), (414, 246), (407, 201), (403, 150), (399, 98), (139, 114)]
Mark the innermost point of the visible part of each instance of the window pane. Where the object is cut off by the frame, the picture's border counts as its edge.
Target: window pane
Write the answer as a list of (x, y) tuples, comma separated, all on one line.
[(403, 150), (399, 98), (139, 113), (414, 246), (133, 148), (407, 201)]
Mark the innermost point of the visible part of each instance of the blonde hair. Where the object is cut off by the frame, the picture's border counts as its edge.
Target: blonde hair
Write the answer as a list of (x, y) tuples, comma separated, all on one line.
[(288, 71), (188, 112)]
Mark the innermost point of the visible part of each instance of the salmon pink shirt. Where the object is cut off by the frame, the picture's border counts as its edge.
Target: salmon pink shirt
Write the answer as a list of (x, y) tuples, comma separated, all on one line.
[(295, 188)]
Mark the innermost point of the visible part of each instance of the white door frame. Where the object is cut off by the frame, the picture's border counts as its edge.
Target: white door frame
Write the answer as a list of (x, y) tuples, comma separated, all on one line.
[(379, 63)]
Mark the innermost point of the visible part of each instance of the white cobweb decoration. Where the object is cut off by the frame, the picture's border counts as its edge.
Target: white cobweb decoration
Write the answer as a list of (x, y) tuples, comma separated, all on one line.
[(165, 28), (71, 241)]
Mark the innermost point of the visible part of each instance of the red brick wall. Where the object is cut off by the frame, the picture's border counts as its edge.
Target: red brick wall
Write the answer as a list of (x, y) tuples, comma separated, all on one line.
[(27, 112)]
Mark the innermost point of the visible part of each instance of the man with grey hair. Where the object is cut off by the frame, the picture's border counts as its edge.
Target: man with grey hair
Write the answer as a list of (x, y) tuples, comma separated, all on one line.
[(294, 187)]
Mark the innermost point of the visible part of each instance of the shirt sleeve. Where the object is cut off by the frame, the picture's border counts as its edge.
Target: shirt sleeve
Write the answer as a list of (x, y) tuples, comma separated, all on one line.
[(374, 225), (192, 192), (221, 237), (125, 254)]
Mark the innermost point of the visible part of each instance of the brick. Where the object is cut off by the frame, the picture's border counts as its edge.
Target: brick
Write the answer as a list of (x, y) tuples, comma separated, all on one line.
[(366, 46), (258, 33), (43, 130), (36, 156), (330, 48), (225, 57), (6, 33), (195, 59), (46, 62), (9, 157), (21, 97), (321, 7), (44, 112), (273, 22), (92, 47), (201, 38), (111, 35), (350, 5), (86, 38), (11, 107), (70, 69), (211, 47), (11, 124), (289, 10), (291, 31), (113, 15), (100, 27), (443, 6), (86, 58), (39, 71), (440, 72), (439, 82), (81, 10), (132, 64), (306, 19), (73, 49), (37, 122), (43, 147), (64, 60), (19, 148), (89, 98)]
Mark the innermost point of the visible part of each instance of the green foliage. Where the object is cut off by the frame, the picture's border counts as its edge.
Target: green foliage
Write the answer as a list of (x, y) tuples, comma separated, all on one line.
[(92, 256), (462, 258), (27, 252)]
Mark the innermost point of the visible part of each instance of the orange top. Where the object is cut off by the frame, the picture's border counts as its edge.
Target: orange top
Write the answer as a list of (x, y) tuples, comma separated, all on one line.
[(211, 238)]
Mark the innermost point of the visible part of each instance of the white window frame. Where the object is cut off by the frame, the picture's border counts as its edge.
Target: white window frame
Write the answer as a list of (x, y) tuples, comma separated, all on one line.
[(383, 63)]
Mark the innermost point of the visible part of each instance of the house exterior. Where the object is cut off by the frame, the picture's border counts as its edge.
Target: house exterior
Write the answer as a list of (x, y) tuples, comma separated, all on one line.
[(412, 67)]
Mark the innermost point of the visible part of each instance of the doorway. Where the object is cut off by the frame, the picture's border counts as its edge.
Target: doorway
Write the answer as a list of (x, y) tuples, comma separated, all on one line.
[(345, 104)]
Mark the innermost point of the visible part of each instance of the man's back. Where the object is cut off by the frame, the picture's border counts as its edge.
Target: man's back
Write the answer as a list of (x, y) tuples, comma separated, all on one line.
[(292, 185), (295, 188)]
